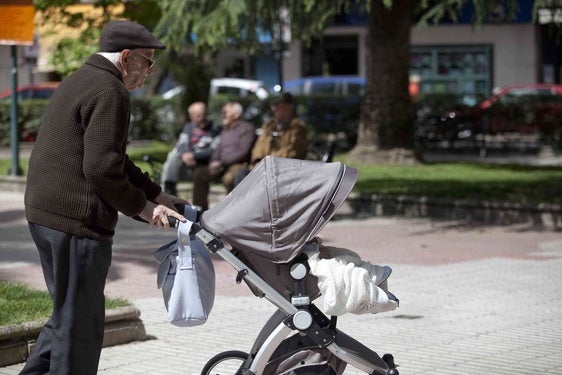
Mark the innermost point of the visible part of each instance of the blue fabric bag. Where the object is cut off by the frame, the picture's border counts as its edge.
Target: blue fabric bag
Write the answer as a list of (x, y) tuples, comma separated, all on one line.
[(186, 276)]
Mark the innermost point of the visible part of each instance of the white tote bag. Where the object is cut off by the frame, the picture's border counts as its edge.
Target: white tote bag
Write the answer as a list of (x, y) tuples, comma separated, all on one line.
[(187, 278)]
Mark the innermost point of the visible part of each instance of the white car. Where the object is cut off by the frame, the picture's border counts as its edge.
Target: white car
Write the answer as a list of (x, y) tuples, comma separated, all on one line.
[(238, 86), (234, 86)]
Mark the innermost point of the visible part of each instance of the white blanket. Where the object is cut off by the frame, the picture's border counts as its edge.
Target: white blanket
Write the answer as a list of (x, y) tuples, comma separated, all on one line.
[(347, 283)]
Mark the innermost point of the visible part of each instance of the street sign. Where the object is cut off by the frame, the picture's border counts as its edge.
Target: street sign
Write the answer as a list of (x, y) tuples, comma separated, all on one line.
[(16, 22)]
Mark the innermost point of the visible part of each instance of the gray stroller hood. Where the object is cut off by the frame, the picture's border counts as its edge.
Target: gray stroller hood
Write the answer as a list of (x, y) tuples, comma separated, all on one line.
[(282, 204)]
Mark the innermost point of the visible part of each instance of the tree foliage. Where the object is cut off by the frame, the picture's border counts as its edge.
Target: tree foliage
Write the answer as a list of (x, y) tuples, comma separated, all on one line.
[(71, 51), (212, 25), (216, 24)]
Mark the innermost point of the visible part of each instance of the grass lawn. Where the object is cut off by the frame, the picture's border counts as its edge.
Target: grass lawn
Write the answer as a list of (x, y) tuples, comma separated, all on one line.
[(480, 182), (21, 304)]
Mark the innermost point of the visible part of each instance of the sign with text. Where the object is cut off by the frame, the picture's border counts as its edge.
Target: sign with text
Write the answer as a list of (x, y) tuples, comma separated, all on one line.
[(16, 22)]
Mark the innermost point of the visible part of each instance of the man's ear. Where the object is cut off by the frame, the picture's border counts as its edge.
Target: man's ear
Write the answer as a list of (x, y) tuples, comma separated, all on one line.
[(123, 61), (124, 56)]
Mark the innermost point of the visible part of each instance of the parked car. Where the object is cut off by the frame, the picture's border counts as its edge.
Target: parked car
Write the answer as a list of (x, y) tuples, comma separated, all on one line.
[(238, 86), (39, 91), (333, 85), (520, 116)]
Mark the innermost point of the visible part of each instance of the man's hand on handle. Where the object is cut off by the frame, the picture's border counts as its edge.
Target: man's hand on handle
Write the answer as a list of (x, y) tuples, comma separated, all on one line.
[(157, 215)]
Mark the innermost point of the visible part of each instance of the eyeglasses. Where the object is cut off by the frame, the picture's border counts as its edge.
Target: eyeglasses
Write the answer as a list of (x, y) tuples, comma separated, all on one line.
[(150, 60)]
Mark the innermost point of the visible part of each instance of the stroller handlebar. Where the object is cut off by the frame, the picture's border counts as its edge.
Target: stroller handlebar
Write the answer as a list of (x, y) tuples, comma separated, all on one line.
[(212, 243)]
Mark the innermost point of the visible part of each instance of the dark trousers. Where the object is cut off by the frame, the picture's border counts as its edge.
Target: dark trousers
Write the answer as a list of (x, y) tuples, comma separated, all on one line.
[(202, 178), (75, 270)]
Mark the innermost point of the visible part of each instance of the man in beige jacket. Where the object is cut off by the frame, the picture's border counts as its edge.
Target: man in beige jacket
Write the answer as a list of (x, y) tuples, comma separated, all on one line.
[(284, 135)]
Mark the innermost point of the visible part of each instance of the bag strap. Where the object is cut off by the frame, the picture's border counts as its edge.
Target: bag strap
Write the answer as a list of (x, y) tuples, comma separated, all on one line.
[(184, 238)]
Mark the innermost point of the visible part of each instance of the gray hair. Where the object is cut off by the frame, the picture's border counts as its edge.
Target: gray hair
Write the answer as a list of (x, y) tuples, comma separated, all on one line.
[(237, 109)]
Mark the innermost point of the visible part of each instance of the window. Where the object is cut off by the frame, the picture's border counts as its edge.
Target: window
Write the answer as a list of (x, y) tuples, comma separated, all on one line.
[(463, 70), (331, 55)]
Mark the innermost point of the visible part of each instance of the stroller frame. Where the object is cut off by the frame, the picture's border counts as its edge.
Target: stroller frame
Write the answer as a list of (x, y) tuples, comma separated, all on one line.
[(298, 315)]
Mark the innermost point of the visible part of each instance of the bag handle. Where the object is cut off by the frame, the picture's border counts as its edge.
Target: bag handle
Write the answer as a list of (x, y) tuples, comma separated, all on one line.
[(185, 258)]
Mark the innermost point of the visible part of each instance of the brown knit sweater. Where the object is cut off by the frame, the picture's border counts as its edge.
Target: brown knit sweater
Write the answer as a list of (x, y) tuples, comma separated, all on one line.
[(79, 174)]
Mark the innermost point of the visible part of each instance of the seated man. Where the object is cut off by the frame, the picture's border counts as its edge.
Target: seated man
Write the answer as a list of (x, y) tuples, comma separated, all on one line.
[(284, 135), (232, 154), (194, 148)]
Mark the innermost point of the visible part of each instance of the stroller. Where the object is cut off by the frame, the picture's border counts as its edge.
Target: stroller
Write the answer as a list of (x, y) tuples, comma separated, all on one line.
[(265, 223)]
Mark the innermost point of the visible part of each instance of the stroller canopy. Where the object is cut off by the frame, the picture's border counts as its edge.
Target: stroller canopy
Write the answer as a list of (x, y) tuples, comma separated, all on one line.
[(282, 204)]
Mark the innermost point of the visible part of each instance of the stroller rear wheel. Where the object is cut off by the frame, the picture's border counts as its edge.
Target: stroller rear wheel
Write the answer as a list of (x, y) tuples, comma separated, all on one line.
[(225, 363)]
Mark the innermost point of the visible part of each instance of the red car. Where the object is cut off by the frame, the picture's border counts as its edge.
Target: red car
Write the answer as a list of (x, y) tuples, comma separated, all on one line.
[(511, 94), (40, 91), (520, 112)]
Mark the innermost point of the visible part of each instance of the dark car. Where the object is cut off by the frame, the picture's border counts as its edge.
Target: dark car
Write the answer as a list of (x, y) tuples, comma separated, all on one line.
[(520, 116), (332, 85), (40, 91)]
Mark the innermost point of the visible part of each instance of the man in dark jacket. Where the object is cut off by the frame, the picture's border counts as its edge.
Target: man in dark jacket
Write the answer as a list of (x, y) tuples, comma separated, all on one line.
[(194, 148), (231, 155), (79, 179)]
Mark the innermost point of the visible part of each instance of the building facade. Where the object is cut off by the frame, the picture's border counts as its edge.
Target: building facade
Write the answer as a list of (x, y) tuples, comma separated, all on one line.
[(449, 57), (446, 58)]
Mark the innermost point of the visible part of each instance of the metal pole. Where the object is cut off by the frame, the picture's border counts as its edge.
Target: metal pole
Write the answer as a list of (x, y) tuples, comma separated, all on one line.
[(280, 64), (280, 47), (15, 169)]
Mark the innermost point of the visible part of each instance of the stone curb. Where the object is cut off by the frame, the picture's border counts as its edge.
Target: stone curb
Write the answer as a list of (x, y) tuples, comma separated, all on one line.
[(122, 325), (548, 216), (12, 183), (485, 212)]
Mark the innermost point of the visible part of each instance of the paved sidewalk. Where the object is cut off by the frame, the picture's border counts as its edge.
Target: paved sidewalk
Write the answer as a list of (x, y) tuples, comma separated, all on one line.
[(474, 299)]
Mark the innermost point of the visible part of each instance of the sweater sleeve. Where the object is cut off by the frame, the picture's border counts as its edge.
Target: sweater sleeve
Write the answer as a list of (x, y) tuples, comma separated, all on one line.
[(105, 164)]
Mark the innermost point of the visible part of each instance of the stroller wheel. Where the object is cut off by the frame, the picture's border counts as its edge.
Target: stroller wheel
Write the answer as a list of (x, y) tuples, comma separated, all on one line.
[(225, 363)]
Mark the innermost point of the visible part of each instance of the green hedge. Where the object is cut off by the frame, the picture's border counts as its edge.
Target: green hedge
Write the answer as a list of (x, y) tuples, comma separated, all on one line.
[(154, 118), (29, 118), (151, 118)]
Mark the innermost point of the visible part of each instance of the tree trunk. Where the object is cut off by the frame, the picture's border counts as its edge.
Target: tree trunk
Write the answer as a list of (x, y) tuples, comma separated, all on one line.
[(386, 121)]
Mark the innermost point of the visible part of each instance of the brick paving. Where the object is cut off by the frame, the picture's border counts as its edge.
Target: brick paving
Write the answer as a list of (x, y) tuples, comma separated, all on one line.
[(475, 299)]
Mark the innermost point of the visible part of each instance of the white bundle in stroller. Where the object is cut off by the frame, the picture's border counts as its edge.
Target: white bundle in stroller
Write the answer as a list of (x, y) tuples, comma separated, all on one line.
[(349, 284)]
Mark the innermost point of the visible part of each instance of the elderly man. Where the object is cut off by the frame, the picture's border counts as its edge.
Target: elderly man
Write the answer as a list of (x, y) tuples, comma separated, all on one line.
[(79, 179), (194, 148), (231, 155)]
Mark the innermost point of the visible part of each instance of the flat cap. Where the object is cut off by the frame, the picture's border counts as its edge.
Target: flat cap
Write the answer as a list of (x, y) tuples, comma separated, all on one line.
[(286, 98), (119, 35)]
